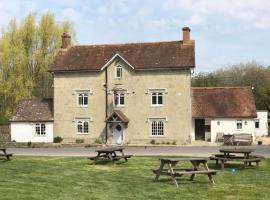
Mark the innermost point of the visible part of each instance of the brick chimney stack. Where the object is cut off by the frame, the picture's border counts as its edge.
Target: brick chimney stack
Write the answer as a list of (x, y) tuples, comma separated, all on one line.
[(186, 35), (66, 41)]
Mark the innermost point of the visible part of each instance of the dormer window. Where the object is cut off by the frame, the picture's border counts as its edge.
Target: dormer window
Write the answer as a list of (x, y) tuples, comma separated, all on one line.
[(118, 71)]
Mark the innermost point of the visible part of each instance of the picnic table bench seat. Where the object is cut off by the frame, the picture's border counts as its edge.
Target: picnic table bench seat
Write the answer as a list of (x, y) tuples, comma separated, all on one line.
[(8, 155)]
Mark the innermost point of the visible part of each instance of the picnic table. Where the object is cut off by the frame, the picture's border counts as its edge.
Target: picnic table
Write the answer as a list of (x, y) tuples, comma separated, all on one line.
[(167, 167), (110, 154), (237, 154), (5, 154)]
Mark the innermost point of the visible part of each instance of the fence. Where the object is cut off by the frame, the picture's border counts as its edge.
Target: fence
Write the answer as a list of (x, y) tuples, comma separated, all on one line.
[(5, 134)]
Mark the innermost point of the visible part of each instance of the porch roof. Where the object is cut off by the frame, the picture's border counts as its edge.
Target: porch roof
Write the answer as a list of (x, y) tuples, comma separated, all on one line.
[(117, 116)]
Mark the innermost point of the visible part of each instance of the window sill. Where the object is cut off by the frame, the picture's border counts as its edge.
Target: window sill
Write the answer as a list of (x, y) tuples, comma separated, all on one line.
[(119, 106), (82, 133), (40, 135), (157, 105), (82, 106), (157, 136)]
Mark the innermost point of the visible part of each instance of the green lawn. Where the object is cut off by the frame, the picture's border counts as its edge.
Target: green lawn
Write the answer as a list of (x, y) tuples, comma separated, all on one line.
[(75, 178)]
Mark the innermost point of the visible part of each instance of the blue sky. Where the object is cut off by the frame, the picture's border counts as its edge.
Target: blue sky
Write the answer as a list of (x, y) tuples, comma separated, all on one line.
[(225, 31)]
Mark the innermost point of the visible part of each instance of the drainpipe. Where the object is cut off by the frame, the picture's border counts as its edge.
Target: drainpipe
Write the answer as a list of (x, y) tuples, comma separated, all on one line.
[(106, 103)]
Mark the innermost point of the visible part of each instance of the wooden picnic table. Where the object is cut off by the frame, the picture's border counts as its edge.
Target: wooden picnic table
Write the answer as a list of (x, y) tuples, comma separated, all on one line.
[(110, 154), (229, 151), (167, 167), (237, 154), (5, 154)]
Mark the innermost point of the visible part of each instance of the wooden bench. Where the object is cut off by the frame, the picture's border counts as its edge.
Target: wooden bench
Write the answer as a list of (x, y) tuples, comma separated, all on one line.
[(242, 138)]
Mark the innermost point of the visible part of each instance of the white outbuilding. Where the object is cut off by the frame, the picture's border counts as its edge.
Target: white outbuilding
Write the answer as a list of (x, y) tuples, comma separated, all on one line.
[(33, 121), (219, 111), (261, 123)]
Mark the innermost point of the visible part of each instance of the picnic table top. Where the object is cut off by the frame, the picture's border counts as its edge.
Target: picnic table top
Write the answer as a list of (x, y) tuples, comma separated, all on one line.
[(183, 159), (2, 149), (110, 149), (236, 150)]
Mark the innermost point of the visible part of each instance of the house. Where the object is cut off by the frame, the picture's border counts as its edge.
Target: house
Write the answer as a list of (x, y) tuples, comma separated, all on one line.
[(124, 93), (32, 121), (222, 110), (261, 123)]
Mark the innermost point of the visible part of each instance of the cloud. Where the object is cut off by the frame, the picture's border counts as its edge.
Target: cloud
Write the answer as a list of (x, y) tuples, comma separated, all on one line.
[(252, 12)]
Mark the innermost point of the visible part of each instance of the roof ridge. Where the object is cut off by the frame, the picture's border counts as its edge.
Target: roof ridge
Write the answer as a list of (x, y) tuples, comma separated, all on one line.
[(225, 87), (128, 43)]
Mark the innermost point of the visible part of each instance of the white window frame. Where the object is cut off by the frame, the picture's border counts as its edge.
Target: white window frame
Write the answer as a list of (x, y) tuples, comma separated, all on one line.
[(82, 121), (157, 93), (158, 127), (40, 129), (238, 122), (118, 67), (257, 121), (84, 93), (118, 95)]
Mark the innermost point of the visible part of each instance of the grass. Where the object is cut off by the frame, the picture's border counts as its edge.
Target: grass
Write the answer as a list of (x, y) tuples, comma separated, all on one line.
[(76, 178)]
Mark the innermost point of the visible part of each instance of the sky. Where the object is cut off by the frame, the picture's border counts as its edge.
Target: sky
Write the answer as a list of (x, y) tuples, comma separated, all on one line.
[(225, 31)]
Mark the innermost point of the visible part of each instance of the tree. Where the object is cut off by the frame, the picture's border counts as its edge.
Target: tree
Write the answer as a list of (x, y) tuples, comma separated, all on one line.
[(26, 50)]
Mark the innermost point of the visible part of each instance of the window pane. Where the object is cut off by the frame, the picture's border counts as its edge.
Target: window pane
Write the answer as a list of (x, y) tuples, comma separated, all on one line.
[(160, 99), (43, 129), (38, 129), (116, 96), (80, 99), (85, 127), (79, 127), (85, 99), (122, 99), (154, 99)]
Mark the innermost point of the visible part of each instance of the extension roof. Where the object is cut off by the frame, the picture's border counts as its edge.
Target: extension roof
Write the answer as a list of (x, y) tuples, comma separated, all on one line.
[(141, 56), (33, 110), (223, 102)]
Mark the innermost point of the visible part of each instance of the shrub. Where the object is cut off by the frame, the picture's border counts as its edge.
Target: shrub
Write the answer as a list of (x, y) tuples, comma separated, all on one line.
[(174, 142), (153, 142), (57, 139), (168, 143), (79, 141), (29, 144), (98, 141)]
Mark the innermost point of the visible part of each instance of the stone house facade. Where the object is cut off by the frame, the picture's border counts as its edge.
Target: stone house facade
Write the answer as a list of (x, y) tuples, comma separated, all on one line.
[(124, 93)]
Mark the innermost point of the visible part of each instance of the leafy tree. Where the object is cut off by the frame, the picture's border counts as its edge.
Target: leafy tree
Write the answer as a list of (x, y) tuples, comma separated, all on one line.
[(26, 50)]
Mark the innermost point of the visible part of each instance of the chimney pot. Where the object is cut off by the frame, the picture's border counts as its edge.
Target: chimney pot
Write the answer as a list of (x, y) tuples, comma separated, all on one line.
[(66, 40), (186, 35)]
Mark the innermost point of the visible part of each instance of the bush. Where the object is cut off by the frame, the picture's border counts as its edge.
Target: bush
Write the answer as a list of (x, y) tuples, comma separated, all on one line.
[(79, 141), (174, 142), (57, 139), (98, 141), (153, 142), (168, 143), (29, 144)]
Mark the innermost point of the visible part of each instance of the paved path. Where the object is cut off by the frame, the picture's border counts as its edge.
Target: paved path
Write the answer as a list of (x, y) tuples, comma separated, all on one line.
[(142, 151)]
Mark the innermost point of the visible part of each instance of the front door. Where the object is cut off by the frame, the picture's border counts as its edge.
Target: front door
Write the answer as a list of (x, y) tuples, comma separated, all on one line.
[(199, 129), (118, 134)]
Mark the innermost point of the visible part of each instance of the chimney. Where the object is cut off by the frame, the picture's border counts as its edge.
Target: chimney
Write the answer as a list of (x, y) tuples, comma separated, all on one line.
[(186, 35), (66, 41)]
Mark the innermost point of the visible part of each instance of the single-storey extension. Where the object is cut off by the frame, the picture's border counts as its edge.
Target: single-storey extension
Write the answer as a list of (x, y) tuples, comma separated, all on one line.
[(33, 121)]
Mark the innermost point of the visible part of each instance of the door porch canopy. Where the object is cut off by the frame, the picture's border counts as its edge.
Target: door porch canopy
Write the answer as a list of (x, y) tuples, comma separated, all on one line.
[(117, 117)]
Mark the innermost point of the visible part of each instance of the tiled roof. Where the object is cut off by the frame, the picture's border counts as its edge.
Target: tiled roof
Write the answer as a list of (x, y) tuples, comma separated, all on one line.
[(154, 55), (33, 110), (223, 102)]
